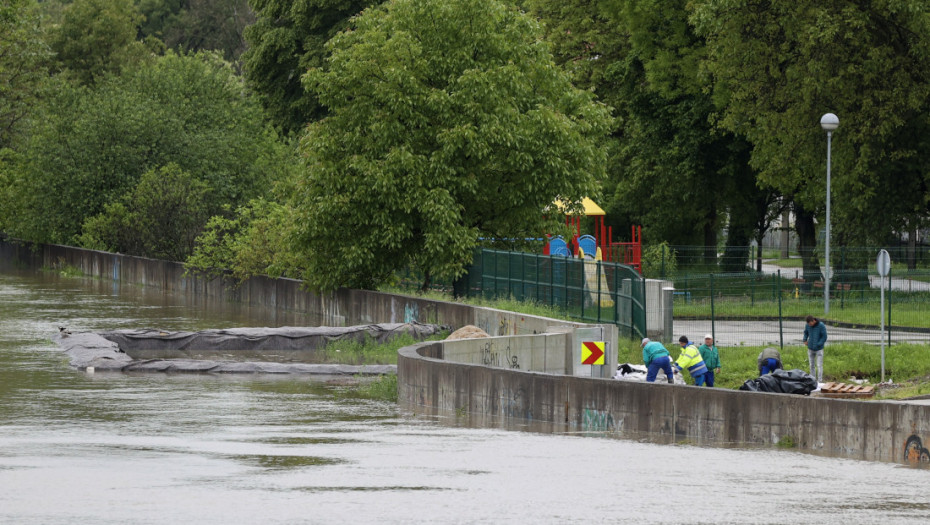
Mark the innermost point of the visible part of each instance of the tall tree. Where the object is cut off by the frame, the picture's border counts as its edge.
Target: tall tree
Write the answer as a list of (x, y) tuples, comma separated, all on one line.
[(778, 66), (286, 40), (679, 173), (448, 122), (98, 37), (160, 217), (93, 144), (217, 25)]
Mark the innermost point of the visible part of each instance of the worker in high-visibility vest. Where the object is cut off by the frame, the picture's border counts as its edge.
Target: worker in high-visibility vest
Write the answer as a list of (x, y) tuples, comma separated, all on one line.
[(691, 359)]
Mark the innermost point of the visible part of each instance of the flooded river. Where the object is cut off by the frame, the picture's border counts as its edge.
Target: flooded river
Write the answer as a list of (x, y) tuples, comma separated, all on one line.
[(153, 448)]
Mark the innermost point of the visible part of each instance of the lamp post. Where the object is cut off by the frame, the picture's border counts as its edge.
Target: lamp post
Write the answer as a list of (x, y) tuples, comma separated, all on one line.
[(829, 122)]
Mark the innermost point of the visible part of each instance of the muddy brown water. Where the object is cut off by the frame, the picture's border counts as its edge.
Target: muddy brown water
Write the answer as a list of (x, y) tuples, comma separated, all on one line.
[(155, 448)]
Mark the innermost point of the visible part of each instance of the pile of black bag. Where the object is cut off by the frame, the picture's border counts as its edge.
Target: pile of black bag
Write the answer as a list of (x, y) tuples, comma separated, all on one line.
[(783, 382)]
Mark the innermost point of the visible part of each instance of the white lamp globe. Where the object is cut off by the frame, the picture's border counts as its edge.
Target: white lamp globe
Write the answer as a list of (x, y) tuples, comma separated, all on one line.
[(829, 122)]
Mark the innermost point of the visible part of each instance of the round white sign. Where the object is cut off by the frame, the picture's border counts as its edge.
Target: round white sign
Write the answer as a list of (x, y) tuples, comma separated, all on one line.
[(883, 262)]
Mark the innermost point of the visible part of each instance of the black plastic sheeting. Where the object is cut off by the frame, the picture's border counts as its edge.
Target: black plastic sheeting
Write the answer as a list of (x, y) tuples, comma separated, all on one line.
[(113, 351), (284, 338), (783, 382)]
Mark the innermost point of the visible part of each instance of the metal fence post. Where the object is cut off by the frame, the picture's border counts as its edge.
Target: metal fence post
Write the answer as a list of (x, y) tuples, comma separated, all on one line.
[(752, 290), (551, 280), (663, 262), (781, 331), (889, 306), (536, 258), (616, 296), (495, 275), (712, 316), (568, 271), (598, 277), (509, 274)]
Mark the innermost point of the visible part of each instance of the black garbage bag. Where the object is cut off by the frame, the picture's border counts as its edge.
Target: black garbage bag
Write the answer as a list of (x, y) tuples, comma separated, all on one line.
[(782, 382)]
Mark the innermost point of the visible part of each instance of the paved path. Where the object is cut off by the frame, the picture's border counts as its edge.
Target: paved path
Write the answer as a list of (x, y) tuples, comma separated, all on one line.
[(752, 333), (897, 283)]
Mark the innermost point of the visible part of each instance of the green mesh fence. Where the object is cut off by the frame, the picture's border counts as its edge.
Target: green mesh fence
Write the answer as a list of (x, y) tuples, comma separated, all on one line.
[(593, 291), (758, 308)]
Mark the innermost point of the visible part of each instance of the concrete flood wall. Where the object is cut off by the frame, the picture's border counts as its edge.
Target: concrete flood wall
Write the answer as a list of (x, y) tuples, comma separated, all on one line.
[(340, 308), (880, 431)]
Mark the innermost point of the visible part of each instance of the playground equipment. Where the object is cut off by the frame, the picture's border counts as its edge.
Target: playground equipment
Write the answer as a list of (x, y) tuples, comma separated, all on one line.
[(629, 253), (592, 249)]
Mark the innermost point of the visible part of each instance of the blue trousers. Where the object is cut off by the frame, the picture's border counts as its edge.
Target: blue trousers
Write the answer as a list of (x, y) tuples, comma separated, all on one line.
[(769, 365), (699, 379), (663, 363), (708, 378)]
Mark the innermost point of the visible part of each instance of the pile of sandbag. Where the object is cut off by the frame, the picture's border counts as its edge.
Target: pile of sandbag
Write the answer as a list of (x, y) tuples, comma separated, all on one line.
[(783, 382)]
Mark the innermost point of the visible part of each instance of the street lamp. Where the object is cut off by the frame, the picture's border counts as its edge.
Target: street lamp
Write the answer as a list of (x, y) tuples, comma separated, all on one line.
[(829, 123)]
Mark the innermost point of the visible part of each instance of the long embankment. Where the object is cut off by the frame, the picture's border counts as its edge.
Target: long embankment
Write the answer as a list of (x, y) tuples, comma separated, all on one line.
[(529, 375)]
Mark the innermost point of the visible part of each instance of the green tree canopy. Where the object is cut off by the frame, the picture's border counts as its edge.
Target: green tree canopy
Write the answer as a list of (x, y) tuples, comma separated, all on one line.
[(98, 37), (93, 144), (287, 39), (449, 122), (779, 66), (23, 53), (160, 217)]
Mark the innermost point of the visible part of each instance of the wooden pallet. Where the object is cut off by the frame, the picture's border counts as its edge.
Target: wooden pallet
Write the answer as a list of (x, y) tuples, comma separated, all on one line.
[(846, 390)]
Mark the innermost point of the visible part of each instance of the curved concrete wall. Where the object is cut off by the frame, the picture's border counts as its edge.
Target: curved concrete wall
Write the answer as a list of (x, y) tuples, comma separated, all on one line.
[(881, 431)]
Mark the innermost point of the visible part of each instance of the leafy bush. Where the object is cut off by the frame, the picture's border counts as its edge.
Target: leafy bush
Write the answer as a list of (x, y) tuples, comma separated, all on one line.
[(659, 261)]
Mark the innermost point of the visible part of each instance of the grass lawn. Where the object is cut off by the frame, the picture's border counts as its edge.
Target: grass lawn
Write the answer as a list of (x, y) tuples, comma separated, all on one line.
[(912, 313), (788, 263), (907, 365)]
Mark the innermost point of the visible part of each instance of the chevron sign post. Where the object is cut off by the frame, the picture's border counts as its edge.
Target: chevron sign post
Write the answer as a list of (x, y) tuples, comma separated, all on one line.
[(592, 353)]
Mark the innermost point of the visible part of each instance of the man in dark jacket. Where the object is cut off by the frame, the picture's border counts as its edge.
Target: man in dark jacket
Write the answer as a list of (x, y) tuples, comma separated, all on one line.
[(815, 335)]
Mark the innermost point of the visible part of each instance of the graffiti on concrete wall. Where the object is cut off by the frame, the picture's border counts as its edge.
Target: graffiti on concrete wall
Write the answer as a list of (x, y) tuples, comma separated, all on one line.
[(504, 326), (597, 420), (914, 450), (513, 404), (411, 313), (492, 356)]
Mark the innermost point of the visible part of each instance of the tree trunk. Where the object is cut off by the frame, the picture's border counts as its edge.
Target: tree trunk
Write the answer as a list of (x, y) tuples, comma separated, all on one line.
[(912, 249), (760, 237), (460, 286), (807, 243), (710, 237), (427, 281)]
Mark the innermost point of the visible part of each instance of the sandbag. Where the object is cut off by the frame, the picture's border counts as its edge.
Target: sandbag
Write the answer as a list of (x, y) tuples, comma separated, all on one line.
[(795, 381)]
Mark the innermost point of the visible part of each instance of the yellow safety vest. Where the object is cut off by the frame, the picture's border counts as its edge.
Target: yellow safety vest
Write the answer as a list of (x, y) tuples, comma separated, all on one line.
[(690, 358)]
